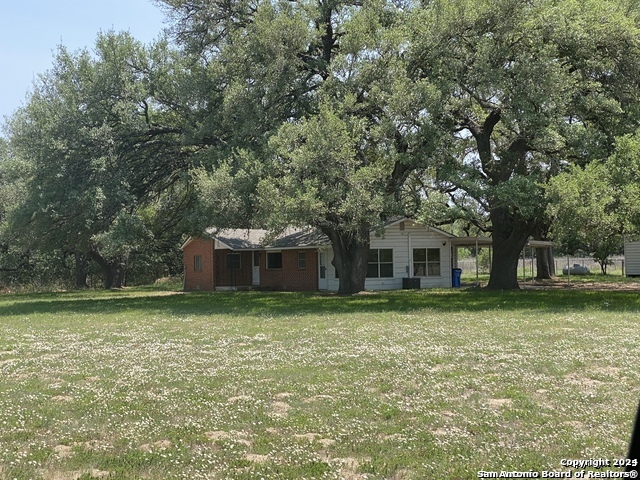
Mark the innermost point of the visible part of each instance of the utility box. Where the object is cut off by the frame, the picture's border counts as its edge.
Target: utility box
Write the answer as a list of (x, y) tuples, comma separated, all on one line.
[(411, 283)]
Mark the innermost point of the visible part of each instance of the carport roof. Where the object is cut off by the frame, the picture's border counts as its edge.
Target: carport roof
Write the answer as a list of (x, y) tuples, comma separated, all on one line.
[(488, 241)]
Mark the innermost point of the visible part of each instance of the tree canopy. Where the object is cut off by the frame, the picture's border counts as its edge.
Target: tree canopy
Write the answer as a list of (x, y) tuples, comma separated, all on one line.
[(102, 160), (325, 119), (523, 89)]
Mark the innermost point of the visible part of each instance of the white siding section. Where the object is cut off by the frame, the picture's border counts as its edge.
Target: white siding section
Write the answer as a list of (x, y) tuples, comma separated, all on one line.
[(399, 240), (631, 257)]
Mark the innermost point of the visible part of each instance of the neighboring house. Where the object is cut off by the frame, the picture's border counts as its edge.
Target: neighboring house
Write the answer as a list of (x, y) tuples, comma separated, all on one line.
[(301, 259), (632, 257)]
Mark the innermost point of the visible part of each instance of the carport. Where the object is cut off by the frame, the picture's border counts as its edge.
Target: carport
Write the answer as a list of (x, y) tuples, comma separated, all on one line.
[(478, 242)]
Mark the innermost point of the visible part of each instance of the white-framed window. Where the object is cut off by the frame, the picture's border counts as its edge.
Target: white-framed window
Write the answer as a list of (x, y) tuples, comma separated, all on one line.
[(380, 263), (274, 260), (426, 262)]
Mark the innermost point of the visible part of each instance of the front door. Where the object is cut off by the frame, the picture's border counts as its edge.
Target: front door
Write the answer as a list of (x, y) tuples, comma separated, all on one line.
[(322, 270), (256, 268)]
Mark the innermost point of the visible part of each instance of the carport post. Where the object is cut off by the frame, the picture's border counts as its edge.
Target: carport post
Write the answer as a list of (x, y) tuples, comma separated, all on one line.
[(477, 277), (532, 250)]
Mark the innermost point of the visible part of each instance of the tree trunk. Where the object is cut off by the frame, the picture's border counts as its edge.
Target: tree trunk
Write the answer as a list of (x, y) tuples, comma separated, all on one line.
[(81, 270), (544, 264), (118, 276), (552, 261), (510, 235), (111, 272), (350, 258)]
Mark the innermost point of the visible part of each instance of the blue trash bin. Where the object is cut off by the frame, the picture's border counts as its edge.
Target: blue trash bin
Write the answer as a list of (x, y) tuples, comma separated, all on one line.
[(456, 273)]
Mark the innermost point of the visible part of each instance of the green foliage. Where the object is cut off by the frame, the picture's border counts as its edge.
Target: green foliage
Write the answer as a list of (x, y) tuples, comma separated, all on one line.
[(585, 208), (326, 180), (100, 159), (333, 114), (521, 89)]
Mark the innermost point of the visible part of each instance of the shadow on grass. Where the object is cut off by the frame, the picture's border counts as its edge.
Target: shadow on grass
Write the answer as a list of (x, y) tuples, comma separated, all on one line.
[(288, 303)]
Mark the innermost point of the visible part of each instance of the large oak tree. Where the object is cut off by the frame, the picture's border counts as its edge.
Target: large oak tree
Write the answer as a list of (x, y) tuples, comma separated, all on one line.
[(103, 165), (319, 119), (524, 88)]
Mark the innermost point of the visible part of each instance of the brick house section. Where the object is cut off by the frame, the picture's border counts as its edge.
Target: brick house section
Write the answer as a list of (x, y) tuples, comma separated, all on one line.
[(202, 280), (290, 276), (232, 278)]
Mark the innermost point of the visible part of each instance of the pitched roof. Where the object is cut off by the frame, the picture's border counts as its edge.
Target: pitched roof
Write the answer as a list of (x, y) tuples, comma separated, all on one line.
[(396, 220), (252, 239)]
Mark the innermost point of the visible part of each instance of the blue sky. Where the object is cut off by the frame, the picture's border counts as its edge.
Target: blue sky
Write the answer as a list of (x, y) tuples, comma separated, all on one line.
[(31, 30)]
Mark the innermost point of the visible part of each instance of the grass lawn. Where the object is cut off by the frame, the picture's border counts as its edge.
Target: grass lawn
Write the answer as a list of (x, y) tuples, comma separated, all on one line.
[(145, 383)]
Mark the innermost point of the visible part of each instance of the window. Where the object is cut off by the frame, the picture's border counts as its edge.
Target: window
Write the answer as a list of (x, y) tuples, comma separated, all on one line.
[(233, 261), (274, 260), (197, 263), (426, 262), (380, 263), (302, 260)]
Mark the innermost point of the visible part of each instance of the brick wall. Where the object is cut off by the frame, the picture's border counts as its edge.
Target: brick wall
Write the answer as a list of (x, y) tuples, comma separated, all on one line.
[(290, 277), (215, 272), (198, 280)]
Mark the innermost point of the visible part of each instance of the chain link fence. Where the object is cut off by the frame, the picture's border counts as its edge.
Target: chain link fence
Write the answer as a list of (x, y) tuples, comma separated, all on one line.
[(468, 265)]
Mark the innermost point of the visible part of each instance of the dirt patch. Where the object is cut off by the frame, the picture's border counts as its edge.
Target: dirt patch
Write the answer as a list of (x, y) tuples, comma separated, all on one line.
[(563, 285), (239, 398), (159, 445), (588, 384), (95, 473), (237, 437), (218, 435), (280, 409), (283, 395), (394, 437), (400, 475), (500, 402), (61, 474), (576, 425), (73, 474), (63, 451), (327, 442), (349, 469), (607, 371), (252, 457)]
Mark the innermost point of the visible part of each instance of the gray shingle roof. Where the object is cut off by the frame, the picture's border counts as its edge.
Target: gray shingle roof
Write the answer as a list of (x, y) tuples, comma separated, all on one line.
[(252, 239)]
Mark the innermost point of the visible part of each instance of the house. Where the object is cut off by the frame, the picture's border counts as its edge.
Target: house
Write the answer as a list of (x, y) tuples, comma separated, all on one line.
[(301, 259), (632, 257)]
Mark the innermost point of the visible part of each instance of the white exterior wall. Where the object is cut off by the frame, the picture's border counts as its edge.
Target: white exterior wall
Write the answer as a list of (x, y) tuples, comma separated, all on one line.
[(402, 243), (631, 257)]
